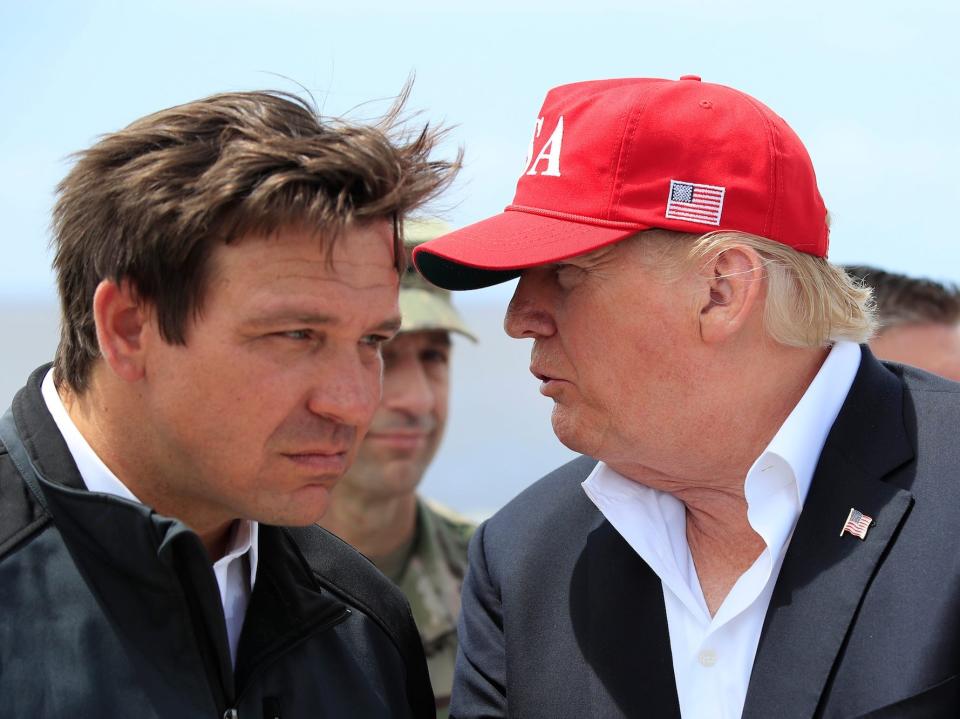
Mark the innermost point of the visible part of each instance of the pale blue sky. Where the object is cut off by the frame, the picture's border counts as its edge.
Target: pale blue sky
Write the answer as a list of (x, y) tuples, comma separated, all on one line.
[(870, 87)]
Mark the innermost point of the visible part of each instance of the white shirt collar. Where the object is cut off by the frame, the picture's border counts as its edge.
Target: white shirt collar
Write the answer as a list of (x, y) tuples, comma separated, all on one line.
[(778, 481), (801, 437), (96, 476)]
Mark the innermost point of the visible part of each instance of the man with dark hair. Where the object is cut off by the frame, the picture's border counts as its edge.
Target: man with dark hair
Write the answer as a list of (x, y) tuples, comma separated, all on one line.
[(228, 272), (420, 545), (763, 521), (919, 320)]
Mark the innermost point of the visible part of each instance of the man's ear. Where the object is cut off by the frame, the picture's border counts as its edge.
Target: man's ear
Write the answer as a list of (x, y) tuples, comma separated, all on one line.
[(736, 287), (121, 319)]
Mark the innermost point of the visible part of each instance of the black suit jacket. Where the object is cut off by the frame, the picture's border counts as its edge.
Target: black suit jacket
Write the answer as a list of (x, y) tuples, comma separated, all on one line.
[(561, 618)]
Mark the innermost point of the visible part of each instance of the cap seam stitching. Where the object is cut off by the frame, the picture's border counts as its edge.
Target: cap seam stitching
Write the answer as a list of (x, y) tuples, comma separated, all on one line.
[(771, 226), (616, 194)]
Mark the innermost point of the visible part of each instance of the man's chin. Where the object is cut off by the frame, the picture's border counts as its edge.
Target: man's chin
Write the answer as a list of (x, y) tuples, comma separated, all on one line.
[(307, 506), (568, 431)]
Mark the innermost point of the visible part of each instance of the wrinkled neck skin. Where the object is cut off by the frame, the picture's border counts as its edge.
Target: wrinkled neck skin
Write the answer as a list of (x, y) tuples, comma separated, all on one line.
[(744, 404)]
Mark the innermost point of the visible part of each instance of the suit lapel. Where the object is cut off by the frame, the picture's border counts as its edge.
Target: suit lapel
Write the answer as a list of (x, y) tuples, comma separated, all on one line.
[(824, 575), (627, 643)]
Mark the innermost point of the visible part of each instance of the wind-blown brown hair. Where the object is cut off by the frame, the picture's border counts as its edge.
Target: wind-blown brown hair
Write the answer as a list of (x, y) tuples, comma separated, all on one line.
[(148, 204)]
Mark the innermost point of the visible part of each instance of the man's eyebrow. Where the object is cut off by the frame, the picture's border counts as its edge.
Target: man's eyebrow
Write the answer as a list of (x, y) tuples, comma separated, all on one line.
[(294, 316), (391, 325), (440, 339)]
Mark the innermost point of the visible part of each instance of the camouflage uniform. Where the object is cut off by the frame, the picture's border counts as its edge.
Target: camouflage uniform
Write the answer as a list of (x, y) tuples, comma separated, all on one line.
[(431, 575), (431, 580)]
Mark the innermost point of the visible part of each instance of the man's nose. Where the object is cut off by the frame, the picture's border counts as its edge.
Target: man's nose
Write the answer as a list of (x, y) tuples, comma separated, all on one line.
[(529, 313), (347, 389), (407, 389)]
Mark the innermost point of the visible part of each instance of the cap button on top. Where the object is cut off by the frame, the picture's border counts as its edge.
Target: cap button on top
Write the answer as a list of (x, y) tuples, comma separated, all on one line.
[(690, 77)]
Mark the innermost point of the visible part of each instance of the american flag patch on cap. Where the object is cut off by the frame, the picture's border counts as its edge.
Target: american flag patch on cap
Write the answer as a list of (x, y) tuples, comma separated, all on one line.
[(695, 203)]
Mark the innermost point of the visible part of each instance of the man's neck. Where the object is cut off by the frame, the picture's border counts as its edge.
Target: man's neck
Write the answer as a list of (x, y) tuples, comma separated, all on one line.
[(722, 542), (131, 467), (375, 526), (710, 484)]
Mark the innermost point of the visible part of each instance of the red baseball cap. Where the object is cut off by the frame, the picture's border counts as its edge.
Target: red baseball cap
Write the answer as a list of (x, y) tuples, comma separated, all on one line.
[(610, 158)]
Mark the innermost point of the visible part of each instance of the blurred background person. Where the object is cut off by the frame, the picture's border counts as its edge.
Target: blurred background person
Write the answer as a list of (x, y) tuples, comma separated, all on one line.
[(919, 320), (420, 545)]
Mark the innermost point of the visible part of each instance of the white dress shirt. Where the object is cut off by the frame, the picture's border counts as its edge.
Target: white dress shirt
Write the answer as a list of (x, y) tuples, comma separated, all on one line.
[(713, 656), (234, 578)]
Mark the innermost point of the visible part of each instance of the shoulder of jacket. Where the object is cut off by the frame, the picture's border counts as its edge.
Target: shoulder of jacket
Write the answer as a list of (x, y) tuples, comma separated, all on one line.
[(918, 380), (556, 500), (555, 489), (448, 521), (355, 580), (21, 517)]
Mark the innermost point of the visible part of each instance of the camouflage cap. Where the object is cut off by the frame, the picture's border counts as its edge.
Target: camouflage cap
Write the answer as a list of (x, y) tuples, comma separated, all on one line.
[(425, 307)]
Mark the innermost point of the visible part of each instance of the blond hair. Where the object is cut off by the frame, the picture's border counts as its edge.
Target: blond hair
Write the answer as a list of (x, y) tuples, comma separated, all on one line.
[(809, 302)]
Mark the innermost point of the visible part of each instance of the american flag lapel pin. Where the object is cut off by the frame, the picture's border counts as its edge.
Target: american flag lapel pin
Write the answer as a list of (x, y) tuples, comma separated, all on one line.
[(857, 524)]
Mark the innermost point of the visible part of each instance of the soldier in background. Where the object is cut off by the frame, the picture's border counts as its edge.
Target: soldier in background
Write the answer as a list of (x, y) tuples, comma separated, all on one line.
[(419, 545), (919, 320)]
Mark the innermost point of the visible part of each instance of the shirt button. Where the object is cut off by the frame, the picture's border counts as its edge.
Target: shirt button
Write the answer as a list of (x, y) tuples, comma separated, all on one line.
[(707, 658)]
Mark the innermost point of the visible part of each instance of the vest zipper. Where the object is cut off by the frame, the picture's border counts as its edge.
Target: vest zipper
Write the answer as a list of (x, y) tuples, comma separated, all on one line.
[(323, 625)]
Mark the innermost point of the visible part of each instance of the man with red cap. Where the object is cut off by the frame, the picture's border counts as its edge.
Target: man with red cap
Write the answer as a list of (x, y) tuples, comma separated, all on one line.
[(762, 523)]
